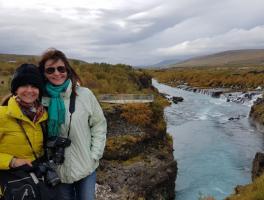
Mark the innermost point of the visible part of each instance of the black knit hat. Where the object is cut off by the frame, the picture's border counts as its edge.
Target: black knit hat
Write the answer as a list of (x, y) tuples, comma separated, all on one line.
[(27, 74)]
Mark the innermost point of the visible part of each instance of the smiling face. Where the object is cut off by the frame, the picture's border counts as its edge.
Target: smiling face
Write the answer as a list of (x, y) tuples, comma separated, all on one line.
[(55, 72), (27, 93)]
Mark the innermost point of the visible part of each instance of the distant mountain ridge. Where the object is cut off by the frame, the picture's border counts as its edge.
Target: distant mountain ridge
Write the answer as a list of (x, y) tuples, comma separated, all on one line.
[(16, 57), (226, 58), (164, 63), (26, 58)]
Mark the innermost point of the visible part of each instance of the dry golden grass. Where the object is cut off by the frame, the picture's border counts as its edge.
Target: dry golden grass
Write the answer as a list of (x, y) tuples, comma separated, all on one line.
[(137, 114), (211, 77), (254, 191)]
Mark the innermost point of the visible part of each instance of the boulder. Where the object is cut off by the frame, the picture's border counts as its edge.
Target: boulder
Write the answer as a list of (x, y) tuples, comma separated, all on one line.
[(233, 118), (258, 165), (216, 94), (177, 99), (236, 118)]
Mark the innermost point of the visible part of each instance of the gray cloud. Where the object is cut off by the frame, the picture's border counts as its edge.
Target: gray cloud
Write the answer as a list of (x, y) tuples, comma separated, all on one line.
[(136, 34), (239, 38)]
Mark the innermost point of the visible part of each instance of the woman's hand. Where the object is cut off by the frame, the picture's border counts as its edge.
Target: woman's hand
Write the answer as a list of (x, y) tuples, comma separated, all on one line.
[(17, 162)]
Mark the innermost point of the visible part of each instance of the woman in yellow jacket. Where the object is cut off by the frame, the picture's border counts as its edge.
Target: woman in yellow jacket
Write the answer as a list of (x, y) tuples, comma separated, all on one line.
[(24, 105)]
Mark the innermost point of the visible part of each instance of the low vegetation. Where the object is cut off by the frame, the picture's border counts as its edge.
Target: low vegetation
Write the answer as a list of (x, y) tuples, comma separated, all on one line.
[(137, 114), (254, 191), (238, 78)]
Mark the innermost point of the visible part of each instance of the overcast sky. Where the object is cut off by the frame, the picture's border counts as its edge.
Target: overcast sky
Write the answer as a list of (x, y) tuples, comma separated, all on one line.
[(135, 32)]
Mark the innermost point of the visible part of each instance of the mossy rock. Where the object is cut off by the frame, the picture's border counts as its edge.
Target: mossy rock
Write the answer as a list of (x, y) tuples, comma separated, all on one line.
[(122, 147)]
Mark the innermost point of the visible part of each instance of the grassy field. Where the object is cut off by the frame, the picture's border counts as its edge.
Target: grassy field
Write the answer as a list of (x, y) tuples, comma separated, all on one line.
[(241, 78)]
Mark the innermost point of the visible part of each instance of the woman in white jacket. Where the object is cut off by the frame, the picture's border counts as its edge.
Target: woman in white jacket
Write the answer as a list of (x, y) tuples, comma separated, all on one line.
[(85, 127)]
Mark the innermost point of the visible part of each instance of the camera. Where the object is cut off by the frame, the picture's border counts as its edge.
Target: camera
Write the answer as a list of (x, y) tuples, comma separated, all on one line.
[(54, 151), (56, 148), (47, 169)]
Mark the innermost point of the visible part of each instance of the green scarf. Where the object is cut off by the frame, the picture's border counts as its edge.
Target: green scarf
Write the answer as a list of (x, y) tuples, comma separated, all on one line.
[(56, 109)]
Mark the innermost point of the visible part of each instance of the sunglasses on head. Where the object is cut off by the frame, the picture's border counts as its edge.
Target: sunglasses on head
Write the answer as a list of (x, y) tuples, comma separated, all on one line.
[(51, 70)]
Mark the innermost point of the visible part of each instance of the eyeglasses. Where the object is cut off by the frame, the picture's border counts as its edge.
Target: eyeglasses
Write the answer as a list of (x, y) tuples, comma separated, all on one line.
[(51, 70)]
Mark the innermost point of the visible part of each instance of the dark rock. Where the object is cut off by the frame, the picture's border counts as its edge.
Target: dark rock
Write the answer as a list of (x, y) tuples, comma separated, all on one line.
[(236, 118), (148, 177), (177, 99), (258, 165), (259, 101), (217, 94), (256, 114), (233, 118)]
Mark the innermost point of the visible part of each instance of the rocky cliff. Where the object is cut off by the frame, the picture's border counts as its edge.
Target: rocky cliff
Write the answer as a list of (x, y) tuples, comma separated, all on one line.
[(138, 161), (258, 165), (256, 114), (256, 117)]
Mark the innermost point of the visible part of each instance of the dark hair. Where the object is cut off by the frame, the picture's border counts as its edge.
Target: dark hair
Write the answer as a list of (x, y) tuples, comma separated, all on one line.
[(55, 55)]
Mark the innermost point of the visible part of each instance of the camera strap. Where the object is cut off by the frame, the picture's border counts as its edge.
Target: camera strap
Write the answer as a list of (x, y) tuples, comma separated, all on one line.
[(71, 109), (44, 126), (24, 131)]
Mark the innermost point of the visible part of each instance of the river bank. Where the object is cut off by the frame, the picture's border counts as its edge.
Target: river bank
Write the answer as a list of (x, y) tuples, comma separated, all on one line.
[(138, 162), (256, 114)]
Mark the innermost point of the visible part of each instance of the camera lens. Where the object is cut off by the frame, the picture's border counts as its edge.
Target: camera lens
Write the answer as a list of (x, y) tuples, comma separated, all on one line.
[(56, 148)]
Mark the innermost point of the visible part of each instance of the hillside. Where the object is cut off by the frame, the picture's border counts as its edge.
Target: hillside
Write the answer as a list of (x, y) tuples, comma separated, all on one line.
[(162, 64), (13, 58), (100, 77), (236, 69), (227, 58)]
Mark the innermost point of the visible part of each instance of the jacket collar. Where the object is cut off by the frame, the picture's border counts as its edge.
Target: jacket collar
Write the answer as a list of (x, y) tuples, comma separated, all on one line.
[(14, 111)]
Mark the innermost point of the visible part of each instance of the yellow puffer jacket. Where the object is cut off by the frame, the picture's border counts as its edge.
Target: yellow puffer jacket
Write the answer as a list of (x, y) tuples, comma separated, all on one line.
[(13, 142)]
